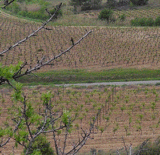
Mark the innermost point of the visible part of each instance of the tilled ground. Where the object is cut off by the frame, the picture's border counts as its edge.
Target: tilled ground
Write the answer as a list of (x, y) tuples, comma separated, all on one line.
[(104, 48), (133, 113)]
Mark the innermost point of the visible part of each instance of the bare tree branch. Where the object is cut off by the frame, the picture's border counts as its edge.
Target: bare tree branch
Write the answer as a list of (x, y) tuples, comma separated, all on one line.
[(48, 115), (141, 148), (33, 33), (65, 139), (3, 80), (82, 142), (6, 3), (48, 12), (40, 65), (118, 152), (125, 145)]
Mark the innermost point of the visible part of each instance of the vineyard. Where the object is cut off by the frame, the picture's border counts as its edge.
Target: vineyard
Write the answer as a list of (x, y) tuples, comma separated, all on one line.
[(106, 47), (129, 111)]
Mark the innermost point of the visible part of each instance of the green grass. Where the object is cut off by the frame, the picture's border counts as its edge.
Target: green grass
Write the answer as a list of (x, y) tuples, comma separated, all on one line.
[(84, 76)]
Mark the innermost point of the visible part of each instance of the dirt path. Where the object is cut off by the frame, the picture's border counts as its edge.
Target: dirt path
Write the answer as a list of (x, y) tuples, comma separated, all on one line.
[(112, 83)]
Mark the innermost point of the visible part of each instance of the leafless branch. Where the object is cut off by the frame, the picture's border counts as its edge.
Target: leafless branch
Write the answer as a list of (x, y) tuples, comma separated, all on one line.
[(130, 149), (47, 113), (141, 148), (65, 139), (48, 12), (118, 152), (55, 143), (3, 80), (125, 145), (33, 33), (18, 73), (86, 135), (6, 3), (40, 65), (55, 130)]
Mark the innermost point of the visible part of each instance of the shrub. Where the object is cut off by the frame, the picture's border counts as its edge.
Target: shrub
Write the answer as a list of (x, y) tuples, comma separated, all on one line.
[(149, 22), (15, 8), (157, 21), (139, 2), (86, 4), (77, 2), (96, 4), (40, 14), (111, 3), (143, 22), (33, 15), (37, 15), (134, 22), (106, 14), (41, 146)]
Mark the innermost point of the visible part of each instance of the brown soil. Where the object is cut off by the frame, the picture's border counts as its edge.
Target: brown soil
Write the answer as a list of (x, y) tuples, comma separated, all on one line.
[(105, 48), (136, 101)]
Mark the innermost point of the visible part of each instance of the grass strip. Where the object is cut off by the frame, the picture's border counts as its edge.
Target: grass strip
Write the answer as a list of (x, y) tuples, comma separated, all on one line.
[(85, 76)]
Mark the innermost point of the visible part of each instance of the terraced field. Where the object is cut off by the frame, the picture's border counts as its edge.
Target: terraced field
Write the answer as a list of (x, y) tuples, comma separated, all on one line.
[(129, 111)]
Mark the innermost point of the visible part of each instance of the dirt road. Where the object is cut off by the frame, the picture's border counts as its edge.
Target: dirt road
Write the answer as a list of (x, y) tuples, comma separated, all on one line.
[(112, 83)]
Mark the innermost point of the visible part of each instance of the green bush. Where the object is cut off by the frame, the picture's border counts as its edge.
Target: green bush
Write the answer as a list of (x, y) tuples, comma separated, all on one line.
[(86, 4), (150, 22), (106, 14), (23, 13), (15, 8), (77, 2), (41, 147), (111, 3), (139, 2), (33, 15), (40, 14), (143, 22), (37, 15), (157, 21)]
